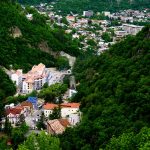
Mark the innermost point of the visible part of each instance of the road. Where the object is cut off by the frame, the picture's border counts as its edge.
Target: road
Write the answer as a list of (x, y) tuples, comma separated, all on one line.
[(32, 118)]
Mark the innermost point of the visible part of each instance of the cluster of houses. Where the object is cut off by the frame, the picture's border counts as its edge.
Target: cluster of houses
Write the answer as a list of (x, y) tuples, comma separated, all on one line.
[(70, 114), (25, 108), (36, 78), (89, 27)]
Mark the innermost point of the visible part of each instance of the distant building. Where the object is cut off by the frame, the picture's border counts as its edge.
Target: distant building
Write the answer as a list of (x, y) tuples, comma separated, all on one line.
[(131, 29), (29, 16), (107, 13), (88, 13), (119, 35), (70, 18), (57, 126)]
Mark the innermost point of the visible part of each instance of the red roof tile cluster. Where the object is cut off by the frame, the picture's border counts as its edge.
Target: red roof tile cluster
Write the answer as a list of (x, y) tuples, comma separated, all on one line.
[(50, 106), (71, 105), (63, 105), (13, 111)]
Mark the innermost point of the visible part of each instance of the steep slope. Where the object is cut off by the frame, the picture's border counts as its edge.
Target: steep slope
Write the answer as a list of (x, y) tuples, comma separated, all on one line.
[(114, 92), (21, 39)]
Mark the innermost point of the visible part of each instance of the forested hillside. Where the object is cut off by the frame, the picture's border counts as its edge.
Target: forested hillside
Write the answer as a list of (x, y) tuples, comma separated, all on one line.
[(114, 92), (24, 50), (77, 6)]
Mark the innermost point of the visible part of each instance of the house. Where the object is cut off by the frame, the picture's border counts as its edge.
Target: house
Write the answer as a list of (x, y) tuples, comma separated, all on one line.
[(66, 109), (70, 18), (34, 101), (13, 114), (107, 13), (28, 106), (57, 126), (16, 77), (88, 13), (48, 108), (69, 108)]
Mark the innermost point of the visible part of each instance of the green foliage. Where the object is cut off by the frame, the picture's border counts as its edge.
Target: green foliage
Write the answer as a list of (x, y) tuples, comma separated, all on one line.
[(115, 95), (7, 87), (106, 37), (29, 48), (77, 6), (40, 142), (62, 63), (53, 91), (56, 114)]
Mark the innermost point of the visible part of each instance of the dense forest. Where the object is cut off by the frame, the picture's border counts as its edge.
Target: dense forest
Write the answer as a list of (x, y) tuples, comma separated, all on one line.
[(77, 6), (114, 92), (28, 47)]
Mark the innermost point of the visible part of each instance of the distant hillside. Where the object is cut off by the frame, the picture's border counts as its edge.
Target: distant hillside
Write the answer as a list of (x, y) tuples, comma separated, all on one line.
[(114, 92), (77, 6)]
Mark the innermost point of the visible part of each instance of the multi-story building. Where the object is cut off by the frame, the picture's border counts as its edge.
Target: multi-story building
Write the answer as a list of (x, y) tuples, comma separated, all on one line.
[(131, 29), (35, 79), (16, 77)]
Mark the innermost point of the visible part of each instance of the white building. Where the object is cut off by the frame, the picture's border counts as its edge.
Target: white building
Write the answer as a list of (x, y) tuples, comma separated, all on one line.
[(131, 29), (69, 108), (66, 109), (35, 79), (88, 13), (48, 108), (16, 77)]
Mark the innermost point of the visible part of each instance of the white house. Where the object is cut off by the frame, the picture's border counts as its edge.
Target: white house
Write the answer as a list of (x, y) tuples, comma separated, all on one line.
[(16, 77), (66, 109), (69, 108), (48, 108)]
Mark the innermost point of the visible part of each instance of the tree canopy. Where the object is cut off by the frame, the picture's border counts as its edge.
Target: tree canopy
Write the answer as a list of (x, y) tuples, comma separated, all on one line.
[(115, 98)]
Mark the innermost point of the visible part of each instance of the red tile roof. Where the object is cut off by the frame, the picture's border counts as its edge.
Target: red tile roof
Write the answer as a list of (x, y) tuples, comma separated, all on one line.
[(13, 111), (50, 106), (72, 105)]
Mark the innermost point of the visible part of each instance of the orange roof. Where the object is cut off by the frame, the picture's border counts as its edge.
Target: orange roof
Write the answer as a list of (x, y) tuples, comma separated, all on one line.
[(26, 103), (50, 106), (13, 111), (72, 105), (64, 122)]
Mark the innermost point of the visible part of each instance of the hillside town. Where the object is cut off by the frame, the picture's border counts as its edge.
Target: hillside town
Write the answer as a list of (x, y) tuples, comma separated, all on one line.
[(49, 99), (97, 31)]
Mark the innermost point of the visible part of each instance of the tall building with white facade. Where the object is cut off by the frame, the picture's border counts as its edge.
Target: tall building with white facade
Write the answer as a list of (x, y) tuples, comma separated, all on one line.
[(35, 79)]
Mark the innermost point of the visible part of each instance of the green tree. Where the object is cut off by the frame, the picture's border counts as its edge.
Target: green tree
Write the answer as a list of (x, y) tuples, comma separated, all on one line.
[(40, 142), (106, 36), (56, 114)]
